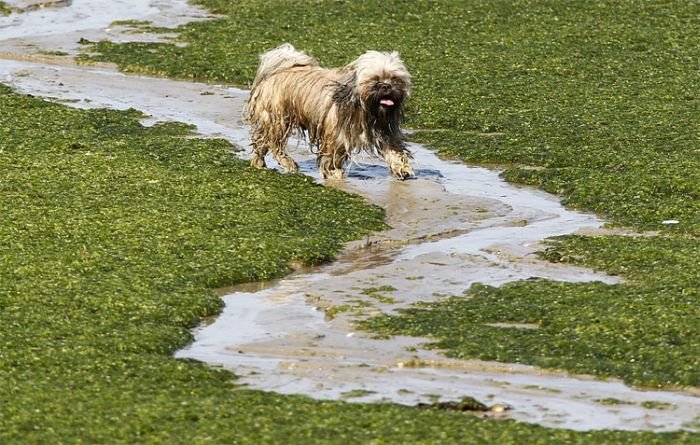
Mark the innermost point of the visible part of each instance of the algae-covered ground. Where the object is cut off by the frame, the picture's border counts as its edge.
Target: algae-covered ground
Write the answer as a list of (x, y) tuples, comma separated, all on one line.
[(114, 233), (645, 333), (601, 95), (595, 101)]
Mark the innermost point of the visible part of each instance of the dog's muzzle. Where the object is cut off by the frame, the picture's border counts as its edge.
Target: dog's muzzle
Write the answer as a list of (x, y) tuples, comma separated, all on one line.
[(385, 93)]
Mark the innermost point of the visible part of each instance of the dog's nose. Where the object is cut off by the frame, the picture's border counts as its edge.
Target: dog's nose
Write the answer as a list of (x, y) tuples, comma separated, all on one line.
[(384, 87)]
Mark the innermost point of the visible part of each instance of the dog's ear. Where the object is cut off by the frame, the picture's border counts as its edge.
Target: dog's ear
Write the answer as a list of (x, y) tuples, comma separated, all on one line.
[(345, 89)]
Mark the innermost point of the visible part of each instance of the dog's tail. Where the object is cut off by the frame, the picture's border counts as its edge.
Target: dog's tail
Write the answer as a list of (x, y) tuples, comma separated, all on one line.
[(279, 59)]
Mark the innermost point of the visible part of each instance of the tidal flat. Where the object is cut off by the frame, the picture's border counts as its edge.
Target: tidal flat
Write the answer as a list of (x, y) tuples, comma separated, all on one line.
[(595, 102), (113, 237)]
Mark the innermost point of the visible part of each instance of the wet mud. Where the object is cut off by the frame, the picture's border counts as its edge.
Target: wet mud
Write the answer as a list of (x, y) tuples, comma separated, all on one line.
[(453, 225)]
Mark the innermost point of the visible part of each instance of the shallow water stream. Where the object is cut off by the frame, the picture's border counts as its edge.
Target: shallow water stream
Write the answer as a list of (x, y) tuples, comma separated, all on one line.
[(453, 225)]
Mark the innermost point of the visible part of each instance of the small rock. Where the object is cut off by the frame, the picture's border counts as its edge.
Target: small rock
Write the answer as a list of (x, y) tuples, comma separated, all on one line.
[(498, 408)]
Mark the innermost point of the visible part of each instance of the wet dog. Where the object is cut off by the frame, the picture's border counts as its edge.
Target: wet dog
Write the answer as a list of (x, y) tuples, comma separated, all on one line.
[(340, 111)]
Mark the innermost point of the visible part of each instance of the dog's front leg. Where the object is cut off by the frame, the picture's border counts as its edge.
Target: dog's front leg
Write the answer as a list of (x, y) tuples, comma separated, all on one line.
[(397, 159)]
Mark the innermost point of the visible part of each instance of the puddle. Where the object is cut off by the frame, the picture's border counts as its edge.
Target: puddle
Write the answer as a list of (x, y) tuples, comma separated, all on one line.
[(453, 225), (45, 27), (280, 338)]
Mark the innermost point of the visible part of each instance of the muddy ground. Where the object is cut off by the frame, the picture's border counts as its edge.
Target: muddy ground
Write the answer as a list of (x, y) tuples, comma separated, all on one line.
[(452, 226)]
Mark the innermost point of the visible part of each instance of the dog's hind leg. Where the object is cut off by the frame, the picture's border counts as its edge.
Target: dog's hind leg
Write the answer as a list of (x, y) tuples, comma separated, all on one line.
[(272, 138), (279, 149), (260, 148), (331, 162), (257, 158)]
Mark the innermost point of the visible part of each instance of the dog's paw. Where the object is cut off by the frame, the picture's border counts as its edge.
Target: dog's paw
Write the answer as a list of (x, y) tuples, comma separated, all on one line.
[(257, 162), (333, 174), (404, 174), (288, 165), (398, 163)]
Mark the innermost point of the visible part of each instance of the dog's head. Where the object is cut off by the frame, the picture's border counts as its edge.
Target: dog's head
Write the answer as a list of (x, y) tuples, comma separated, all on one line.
[(383, 82), (379, 83)]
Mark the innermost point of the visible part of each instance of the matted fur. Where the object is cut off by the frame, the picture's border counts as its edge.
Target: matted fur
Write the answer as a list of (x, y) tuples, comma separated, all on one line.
[(341, 111)]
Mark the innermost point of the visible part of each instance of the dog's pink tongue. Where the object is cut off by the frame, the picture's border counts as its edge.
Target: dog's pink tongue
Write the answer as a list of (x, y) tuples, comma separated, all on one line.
[(387, 102)]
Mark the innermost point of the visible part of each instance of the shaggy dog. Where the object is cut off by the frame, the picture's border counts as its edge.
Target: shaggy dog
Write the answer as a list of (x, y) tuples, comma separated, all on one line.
[(341, 111)]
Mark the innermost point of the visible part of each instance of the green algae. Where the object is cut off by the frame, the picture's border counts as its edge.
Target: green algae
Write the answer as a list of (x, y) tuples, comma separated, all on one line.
[(379, 293), (595, 95), (464, 404), (653, 404), (611, 401), (600, 95), (52, 53), (643, 331), (112, 235), (593, 101), (355, 393)]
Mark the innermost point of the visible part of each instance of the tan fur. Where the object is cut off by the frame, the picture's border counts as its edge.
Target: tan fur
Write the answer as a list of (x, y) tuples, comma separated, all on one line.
[(341, 111)]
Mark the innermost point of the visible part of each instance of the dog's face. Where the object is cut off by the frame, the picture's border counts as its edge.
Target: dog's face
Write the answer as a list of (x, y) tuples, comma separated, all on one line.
[(379, 83), (383, 95), (382, 82)]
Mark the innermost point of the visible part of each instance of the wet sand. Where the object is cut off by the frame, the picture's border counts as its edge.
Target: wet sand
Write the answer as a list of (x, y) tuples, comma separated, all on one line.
[(452, 226)]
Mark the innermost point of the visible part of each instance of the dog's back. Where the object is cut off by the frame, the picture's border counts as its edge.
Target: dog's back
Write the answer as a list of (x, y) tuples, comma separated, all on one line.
[(279, 59), (291, 90)]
